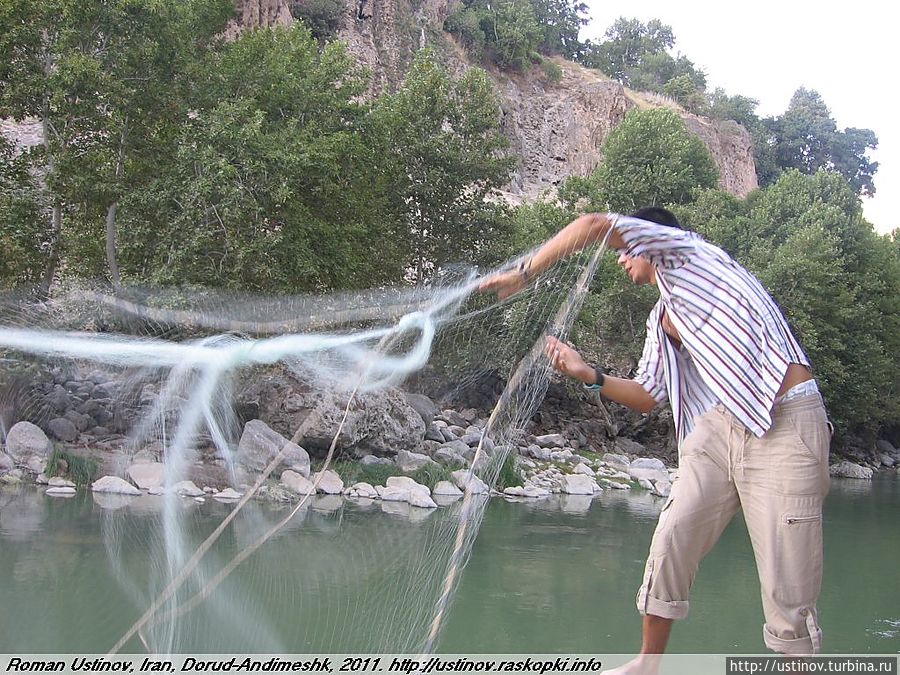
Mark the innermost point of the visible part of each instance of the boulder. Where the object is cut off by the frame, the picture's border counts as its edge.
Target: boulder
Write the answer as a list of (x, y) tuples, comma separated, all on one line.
[(6, 463), (362, 489), (228, 495), (26, 441), (296, 483), (408, 484), (115, 485), (147, 475), (63, 429), (616, 460), (550, 441), (381, 421), (462, 478), (850, 470), (330, 483), (259, 444), (187, 488), (445, 488), (422, 405), (584, 469), (626, 446), (577, 484), (412, 461)]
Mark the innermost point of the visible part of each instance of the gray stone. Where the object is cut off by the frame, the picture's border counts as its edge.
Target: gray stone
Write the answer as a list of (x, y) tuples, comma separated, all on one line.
[(228, 495), (58, 481), (648, 463), (471, 439), (887, 460), (448, 435), (626, 446), (457, 431), (379, 421), (447, 457), (535, 492), (259, 444), (550, 441), (6, 462), (422, 405), (81, 422), (434, 433), (615, 460), (662, 488), (584, 469), (374, 460), (886, 448), (412, 461), (469, 415), (646, 484), (115, 485), (850, 470), (25, 441), (407, 483), (362, 489), (89, 407), (639, 473), (454, 418)]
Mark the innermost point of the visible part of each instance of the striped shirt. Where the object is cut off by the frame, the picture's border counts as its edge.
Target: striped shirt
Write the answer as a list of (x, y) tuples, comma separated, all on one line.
[(735, 342)]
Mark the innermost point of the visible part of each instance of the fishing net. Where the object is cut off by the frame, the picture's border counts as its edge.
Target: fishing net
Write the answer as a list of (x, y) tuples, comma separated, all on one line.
[(178, 377)]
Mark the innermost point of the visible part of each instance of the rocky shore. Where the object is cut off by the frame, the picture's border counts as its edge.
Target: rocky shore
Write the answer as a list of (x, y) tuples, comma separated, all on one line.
[(394, 445)]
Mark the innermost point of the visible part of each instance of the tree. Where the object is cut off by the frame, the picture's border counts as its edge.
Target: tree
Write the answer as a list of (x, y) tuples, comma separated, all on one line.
[(505, 32), (443, 148), (23, 225), (651, 159), (560, 22), (806, 138), (628, 43)]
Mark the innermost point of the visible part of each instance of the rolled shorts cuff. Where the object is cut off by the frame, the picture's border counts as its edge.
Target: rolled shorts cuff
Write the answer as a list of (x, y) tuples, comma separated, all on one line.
[(801, 645), (666, 609)]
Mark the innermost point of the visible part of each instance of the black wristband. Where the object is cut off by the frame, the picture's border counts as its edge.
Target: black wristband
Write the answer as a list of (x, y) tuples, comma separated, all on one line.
[(599, 376)]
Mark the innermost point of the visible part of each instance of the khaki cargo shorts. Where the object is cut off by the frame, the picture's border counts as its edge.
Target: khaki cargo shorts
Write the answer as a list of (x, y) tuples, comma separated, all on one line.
[(779, 481)]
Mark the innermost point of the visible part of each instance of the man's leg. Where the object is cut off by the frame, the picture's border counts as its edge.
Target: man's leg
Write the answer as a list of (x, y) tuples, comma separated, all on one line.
[(782, 484), (702, 502)]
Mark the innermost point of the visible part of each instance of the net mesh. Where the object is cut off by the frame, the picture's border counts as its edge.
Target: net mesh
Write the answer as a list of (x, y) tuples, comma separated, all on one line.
[(321, 573)]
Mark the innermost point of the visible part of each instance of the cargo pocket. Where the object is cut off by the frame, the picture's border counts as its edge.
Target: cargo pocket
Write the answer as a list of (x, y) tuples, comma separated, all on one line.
[(798, 573)]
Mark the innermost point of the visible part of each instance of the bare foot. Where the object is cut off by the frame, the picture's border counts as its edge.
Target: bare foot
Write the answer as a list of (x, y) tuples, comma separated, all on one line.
[(642, 664)]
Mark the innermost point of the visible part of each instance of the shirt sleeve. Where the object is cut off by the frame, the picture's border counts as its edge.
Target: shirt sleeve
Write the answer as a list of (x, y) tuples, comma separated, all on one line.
[(650, 372), (667, 247)]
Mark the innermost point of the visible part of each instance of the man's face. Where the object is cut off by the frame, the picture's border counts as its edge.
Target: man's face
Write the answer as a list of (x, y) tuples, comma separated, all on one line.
[(638, 269)]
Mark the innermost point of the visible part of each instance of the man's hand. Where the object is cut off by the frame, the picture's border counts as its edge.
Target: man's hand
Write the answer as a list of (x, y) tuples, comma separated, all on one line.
[(503, 284), (567, 361)]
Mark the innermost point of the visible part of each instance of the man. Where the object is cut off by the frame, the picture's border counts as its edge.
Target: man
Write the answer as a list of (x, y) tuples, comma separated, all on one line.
[(752, 428)]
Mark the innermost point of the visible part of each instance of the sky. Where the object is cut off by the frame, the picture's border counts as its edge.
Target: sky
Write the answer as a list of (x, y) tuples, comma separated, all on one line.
[(766, 50)]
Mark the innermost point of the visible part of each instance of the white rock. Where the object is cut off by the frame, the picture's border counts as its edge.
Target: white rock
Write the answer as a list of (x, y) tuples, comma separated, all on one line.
[(60, 491), (850, 470), (662, 488), (260, 444), (445, 488), (364, 489), (331, 483), (41, 479), (199, 500), (186, 488), (395, 494), (646, 484), (425, 501), (296, 482), (577, 484), (147, 475), (583, 468), (407, 483), (59, 482), (535, 492), (25, 440), (639, 473), (614, 484), (114, 484), (517, 491), (228, 494), (648, 463), (463, 477)]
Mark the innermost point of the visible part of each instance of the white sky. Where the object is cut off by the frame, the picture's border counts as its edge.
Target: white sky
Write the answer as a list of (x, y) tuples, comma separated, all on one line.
[(766, 50)]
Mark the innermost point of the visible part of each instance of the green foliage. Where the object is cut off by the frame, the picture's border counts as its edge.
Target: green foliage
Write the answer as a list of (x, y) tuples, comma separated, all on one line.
[(442, 151), (508, 474), (560, 22), (23, 226), (651, 159), (806, 138), (322, 17), (506, 32), (551, 70), (80, 470)]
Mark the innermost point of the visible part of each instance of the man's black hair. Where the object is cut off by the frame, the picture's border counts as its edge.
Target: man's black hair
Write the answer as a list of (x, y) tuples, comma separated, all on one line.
[(659, 215)]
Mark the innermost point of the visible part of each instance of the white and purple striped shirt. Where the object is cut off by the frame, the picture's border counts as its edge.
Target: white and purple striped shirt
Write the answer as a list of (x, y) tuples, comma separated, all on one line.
[(736, 344)]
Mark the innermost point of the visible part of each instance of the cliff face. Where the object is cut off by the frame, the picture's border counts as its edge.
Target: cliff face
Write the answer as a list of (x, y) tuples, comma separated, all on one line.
[(555, 129)]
